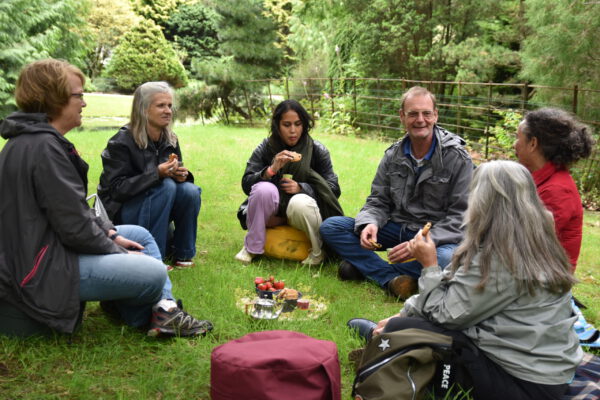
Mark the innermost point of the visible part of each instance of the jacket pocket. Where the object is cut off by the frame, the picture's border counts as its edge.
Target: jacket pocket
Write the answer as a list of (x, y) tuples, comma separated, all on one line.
[(435, 193), (36, 263)]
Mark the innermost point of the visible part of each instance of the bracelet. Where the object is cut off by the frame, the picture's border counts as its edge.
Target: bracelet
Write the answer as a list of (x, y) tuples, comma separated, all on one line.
[(270, 171), (114, 236)]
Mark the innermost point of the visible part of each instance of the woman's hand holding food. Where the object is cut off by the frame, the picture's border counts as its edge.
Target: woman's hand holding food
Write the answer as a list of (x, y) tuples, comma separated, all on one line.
[(423, 249), (283, 158), (167, 169)]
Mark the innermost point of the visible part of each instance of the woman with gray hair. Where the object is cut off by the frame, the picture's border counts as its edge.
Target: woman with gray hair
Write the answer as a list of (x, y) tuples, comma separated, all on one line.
[(549, 140), (506, 295), (143, 180)]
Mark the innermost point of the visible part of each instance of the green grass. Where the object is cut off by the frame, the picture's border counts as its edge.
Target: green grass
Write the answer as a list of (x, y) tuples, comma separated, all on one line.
[(108, 361), (106, 111)]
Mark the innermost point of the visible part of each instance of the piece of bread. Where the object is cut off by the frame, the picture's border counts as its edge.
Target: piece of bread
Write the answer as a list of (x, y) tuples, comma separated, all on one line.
[(426, 229), (288, 294), (296, 156), (374, 243), (172, 157)]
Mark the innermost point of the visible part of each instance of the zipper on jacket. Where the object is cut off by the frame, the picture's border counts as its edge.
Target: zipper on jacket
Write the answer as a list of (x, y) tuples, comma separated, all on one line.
[(36, 263)]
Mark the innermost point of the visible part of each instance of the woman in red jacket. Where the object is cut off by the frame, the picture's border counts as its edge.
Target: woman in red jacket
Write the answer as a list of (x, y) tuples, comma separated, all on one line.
[(548, 141)]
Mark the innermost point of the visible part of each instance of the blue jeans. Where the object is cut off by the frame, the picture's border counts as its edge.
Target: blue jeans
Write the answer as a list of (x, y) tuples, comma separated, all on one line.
[(338, 233), (158, 206), (134, 282)]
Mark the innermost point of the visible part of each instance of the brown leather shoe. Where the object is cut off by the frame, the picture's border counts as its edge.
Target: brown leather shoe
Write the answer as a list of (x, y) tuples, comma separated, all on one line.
[(402, 287)]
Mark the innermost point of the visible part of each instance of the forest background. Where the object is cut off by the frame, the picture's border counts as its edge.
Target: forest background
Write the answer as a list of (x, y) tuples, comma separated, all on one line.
[(231, 60)]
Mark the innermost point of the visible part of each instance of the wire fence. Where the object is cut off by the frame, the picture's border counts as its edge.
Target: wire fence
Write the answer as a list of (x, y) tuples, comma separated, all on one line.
[(473, 110)]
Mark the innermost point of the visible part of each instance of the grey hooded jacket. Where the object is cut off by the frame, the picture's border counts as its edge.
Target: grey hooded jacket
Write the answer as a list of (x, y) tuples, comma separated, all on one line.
[(437, 195), (45, 221)]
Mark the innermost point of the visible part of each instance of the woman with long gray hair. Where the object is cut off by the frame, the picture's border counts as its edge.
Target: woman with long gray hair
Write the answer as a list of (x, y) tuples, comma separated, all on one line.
[(143, 180), (506, 295)]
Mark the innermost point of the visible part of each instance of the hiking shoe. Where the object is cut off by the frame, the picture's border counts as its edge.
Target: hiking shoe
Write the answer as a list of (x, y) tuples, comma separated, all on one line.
[(176, 322), (402, 287), (348, 272), (314, 260), (244, 256), (364, 327), (355, 356)]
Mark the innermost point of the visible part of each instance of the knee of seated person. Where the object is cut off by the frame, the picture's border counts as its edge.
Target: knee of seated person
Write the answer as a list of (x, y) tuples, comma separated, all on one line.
[(333, 224), (264, 190), (167, 185), (301, 203), (155, 272), (190, 189)]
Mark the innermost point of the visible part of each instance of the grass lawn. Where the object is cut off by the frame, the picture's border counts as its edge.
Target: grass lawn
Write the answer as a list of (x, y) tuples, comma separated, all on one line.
[(108, 361)]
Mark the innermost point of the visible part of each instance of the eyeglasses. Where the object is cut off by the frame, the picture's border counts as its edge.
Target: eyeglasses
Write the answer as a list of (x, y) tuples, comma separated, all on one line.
[(78, 95), (426, 114)]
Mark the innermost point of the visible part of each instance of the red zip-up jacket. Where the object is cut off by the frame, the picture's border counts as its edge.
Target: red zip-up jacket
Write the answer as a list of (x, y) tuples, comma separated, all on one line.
[(559, 194)]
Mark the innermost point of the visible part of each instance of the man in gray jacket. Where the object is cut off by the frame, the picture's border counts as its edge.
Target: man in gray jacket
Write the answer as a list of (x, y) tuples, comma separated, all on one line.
[(422, 178)]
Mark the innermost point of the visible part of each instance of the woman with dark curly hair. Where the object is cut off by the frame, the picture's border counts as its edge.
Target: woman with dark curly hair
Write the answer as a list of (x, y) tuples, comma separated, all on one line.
[(548, 141), (289, 179)]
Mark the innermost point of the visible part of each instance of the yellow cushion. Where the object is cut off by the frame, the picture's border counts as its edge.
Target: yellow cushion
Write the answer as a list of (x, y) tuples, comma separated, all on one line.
[(287, 243)]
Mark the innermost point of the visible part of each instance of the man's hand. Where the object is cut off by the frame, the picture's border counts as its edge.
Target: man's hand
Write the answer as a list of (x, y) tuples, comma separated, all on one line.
[(368, 234), (400, 253)]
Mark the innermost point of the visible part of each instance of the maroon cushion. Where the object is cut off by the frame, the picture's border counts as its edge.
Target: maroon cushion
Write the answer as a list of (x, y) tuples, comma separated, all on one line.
[(278, 365)]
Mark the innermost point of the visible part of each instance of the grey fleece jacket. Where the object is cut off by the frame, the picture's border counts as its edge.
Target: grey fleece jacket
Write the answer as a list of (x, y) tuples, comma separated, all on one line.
[(529, 336)]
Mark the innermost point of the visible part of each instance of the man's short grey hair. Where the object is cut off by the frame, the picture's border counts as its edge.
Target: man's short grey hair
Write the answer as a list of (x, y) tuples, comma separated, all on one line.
[(416, 91)]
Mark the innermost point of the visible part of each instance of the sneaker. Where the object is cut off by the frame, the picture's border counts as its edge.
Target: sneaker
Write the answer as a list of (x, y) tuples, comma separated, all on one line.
[(176, 322), (348, 272), (314, 260), (402, 287), (244, 256), (184, 263)]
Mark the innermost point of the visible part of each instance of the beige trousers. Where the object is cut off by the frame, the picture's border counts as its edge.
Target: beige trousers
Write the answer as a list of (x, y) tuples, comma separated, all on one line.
[(303, 214)]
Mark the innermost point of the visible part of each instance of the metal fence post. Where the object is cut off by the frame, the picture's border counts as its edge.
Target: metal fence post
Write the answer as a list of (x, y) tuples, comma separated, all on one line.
[(287, 88), (270, 95), (575, 98), (249, 108), (354, 98), (487, 121), (458, 108)]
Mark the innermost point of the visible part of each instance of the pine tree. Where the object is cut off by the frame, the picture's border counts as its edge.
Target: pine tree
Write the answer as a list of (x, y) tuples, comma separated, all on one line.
[(145, 55), (35, 29)]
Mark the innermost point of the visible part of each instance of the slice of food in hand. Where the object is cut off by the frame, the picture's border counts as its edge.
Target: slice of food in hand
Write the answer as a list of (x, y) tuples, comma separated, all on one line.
[(426, 229), (172, 157), (295, 156), (374, 243)]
